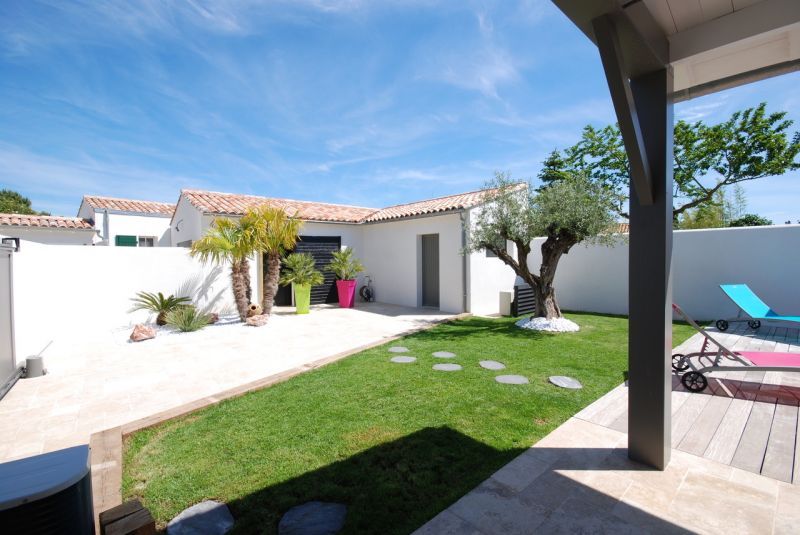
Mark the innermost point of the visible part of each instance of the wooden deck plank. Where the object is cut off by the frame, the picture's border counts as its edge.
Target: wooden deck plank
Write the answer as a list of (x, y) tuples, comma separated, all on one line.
[(723, 444), (684, 419), (779, 457), (753, 444), (590, 412), (616, 408), (698, 437)]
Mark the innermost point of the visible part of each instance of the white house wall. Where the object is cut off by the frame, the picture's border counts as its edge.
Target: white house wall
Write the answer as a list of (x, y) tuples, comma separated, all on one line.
[(595, 278), (488, 276), (49, 236), (391, 254), (186, 224), (128, 224), (62, 290)]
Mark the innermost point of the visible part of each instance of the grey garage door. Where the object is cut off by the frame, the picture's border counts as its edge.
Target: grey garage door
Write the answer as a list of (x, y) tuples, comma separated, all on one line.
[(322, 249), (430, 270), (8, 365)]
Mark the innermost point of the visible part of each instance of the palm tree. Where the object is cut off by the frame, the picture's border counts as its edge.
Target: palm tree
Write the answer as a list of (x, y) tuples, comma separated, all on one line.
[(274, 233), (229, 241)]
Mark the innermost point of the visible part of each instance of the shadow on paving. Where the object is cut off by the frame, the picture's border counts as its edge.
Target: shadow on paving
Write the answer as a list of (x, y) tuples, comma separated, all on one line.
[(398, 486)]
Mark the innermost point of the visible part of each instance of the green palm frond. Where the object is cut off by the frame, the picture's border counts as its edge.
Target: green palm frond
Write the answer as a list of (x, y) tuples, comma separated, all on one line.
[(271, 230), (299, 269), (187, 319), (157, 302), (225, 240), (344, 265)]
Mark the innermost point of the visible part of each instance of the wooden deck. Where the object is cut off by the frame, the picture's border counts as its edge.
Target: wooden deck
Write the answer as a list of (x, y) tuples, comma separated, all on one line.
[(748, 420)]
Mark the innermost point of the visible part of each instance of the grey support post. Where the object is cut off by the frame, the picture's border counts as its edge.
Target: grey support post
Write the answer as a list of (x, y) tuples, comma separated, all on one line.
[(643, 104)]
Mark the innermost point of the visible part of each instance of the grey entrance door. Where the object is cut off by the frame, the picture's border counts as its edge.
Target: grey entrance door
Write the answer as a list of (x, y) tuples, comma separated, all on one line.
[(430, 270)]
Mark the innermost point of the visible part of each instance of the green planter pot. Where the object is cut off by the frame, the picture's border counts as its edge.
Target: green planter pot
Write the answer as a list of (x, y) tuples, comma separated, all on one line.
[(302, 297)]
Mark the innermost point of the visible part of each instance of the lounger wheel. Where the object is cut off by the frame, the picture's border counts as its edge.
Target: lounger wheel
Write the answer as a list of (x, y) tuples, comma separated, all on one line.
[(694, 381), (679, 362), (722, 325), (754, 324)]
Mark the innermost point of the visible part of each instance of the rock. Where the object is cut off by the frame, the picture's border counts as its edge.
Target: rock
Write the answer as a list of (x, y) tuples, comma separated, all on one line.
[(213, 317), (205, 518), (398, 349), (492, 365), (142, 332), (403, 360), (444, 355), (565, 382), (254, 310), (511, 379), (313, 518), (257, 321), (446, 367)]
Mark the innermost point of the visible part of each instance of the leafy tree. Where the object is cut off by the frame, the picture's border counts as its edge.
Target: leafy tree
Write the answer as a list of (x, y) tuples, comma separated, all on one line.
[(229, 241), (274, 234), (752, 144), (570, 211), (750, 220), (12, 202)]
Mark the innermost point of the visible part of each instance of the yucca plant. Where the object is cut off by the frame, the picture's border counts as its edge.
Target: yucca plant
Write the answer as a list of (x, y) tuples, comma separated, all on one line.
[(299, 268), (187, 319), (344, 265), (156, 302)]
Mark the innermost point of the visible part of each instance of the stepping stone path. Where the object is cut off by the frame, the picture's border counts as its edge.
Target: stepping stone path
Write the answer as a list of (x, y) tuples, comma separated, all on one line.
[(511, 379), (398, 349), (492, 365), (565, 382), (313, 518), (403, 360), (444, 355), (447, 367), (205, 518)]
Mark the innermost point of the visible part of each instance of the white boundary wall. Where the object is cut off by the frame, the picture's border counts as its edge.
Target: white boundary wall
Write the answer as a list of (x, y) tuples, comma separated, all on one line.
[(595, 278), (61, 290)]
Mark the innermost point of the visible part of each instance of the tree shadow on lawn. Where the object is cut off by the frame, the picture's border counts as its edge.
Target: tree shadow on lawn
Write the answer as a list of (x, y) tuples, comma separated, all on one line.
[(398, 486), (476, 327)]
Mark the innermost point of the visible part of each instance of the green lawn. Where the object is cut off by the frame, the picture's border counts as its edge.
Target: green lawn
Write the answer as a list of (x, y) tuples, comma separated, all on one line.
[(396, 442)]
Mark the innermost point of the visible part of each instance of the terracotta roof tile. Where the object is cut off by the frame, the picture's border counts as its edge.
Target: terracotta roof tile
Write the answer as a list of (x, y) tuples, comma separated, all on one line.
[(231, 204), (129, 205), (45, 221), (431, 206)]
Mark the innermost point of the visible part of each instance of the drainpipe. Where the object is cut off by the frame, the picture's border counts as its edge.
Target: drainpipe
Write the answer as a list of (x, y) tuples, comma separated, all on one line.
[(105, 227), (463, 216)]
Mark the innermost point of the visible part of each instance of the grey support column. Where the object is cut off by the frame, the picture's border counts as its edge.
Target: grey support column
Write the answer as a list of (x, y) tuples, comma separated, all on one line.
[(649, 284), (643, 104)]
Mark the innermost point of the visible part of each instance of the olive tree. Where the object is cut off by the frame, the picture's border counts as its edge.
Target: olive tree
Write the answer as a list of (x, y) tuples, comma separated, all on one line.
[(566, 213)]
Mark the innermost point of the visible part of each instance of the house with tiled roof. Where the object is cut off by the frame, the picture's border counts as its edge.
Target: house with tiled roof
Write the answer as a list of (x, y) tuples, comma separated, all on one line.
[(56, 230), (128, 222), (411, 251)]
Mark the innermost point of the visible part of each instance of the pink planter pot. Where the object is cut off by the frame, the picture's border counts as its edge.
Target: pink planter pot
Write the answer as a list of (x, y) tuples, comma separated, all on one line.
[(347, 293)]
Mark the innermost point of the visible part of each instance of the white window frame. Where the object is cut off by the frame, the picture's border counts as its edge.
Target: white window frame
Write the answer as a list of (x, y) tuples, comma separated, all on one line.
[(151, 238)]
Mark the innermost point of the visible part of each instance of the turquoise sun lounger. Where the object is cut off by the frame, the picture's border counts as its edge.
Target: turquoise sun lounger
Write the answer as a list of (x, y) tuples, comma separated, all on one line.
[(751, 308)]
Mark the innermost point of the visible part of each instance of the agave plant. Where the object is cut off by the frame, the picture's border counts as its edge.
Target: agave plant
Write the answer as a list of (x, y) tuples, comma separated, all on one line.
[(299, 269), (156, 302), (344, 265), (187, 319)]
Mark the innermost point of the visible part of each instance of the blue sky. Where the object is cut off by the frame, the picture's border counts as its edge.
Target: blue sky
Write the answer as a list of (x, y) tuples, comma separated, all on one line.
[(370, 103)]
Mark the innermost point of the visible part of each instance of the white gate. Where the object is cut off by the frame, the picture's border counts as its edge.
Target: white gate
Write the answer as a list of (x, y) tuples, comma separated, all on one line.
[(8, 363)]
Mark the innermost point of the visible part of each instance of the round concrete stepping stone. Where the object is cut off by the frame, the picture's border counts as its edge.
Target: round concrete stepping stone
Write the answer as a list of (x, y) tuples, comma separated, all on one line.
[(398, 349), (403, 360), (313, 518), (205, 518), (511, 379), (447, 367), (444, 355), (492, 365), (565, 382)]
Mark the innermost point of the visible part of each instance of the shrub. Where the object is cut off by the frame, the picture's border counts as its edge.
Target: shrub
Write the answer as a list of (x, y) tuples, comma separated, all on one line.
[(159, 304), (344, 265), (187, 319), (298, 268)]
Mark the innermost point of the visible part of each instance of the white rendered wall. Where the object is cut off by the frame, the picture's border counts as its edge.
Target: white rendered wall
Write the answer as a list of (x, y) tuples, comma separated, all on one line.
[(49, 236), (595, 278), (64, 290), (125, 224), (186, 224), (391, 254)]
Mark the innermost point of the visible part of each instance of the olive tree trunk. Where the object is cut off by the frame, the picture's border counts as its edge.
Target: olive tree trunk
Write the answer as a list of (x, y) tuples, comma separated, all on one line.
[(272, 273)]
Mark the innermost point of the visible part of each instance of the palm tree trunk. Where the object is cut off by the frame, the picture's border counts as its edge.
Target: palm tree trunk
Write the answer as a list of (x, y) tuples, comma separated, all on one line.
[(246, 276), (271, 275), (238, 283)]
